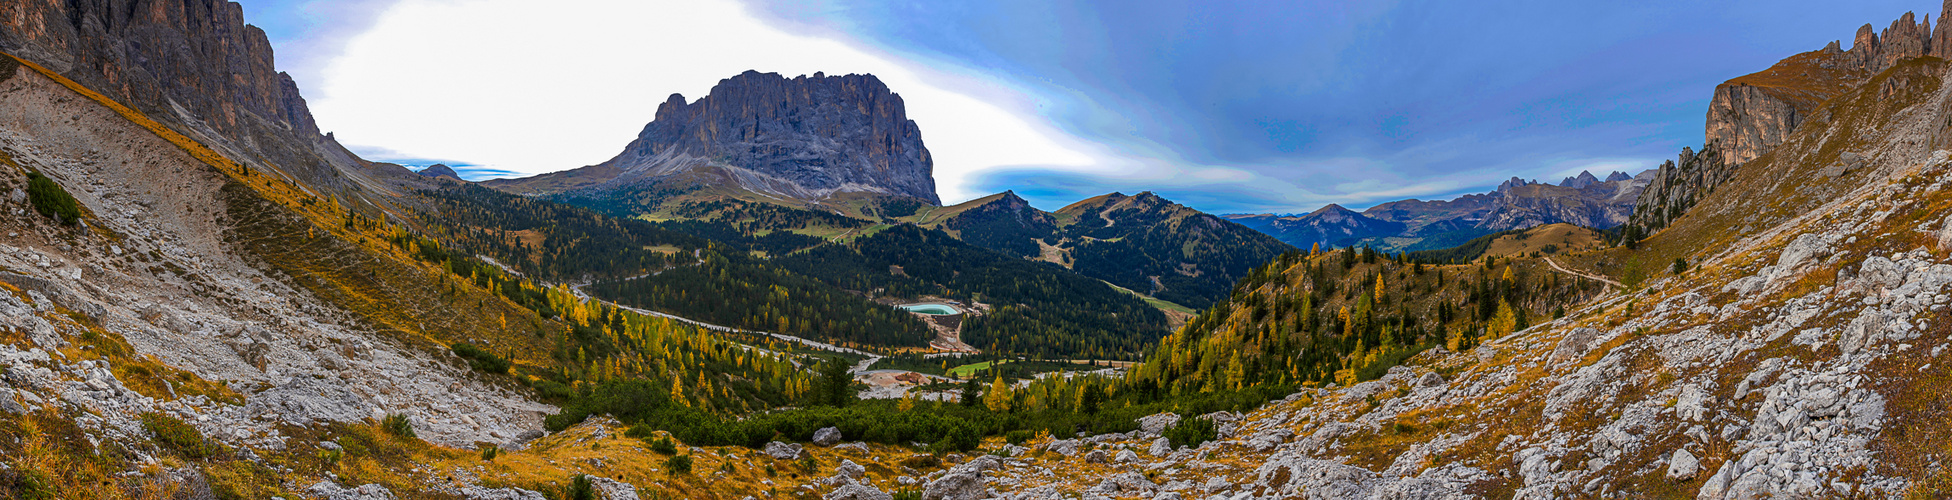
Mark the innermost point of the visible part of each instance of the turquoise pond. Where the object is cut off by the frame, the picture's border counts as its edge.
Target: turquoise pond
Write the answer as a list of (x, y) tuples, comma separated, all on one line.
[(935, 309)]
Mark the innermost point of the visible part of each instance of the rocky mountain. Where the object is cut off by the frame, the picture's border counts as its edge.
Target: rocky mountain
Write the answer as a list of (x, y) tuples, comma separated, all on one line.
[(1411, 225), (766, 137), (246, 311), (1328, 227), (439, 170), (1752, 114), (1141, 242)]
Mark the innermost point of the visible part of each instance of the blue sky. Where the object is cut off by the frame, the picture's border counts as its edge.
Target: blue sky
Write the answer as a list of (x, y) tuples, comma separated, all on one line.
[(1224, 106)]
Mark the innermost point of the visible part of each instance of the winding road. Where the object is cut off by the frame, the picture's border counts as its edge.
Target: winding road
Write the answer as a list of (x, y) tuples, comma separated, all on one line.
[(1602, 279)]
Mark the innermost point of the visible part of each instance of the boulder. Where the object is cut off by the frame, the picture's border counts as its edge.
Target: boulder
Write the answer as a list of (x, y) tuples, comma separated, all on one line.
[(1683, 466), (827, 437), (956, 486), (1158, 423), (1126, 457), (851, 470), (480, 493), (1160, 447), (1125, 485), (1096, 457), (857, 491), (327, 490), (611, 489), (1573, 345), (783, 451)]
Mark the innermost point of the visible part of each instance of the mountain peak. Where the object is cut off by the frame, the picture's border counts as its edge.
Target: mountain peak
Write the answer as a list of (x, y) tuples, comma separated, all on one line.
[(1585, 178), (438, 170)]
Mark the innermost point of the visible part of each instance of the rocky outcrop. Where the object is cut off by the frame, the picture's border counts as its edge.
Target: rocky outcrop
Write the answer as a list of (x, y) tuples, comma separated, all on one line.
[(1752, 114), (804, 138), (197, 53)]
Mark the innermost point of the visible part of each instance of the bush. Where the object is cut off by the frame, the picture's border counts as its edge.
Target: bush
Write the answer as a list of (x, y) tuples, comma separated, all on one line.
[(680, 464), (1191, 432), (664, 446), (907, 494), (490, 451), (52, 201), (484, 361), (176, 435), (1019, 437), (1680, 265), (579, 488), (398, 425)]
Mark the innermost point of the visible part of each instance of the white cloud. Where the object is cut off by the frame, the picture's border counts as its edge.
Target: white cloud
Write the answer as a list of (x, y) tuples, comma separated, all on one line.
[(537, 87)]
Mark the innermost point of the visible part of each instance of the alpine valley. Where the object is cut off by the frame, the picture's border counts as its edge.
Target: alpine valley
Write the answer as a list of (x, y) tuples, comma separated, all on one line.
[(203, 296)]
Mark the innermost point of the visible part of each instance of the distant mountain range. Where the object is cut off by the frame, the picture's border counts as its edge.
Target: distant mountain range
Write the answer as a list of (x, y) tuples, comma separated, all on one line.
[(1140, 242), (1411, 225)]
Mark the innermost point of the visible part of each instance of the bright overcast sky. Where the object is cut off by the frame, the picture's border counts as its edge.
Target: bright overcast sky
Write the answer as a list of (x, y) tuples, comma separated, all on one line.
[(1248, 106)]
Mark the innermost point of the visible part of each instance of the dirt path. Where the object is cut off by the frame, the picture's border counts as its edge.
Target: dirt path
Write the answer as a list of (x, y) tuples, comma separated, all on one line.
[(1555, 266)]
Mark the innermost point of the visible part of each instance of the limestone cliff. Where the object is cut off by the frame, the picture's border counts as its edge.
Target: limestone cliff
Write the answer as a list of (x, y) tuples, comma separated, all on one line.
[(1753, 114), (804, 138)]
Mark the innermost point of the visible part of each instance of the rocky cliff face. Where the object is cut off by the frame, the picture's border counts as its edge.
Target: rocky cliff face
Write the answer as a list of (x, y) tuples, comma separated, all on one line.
[(195, 65), (198, 53), (1753, 114), (803, 138)]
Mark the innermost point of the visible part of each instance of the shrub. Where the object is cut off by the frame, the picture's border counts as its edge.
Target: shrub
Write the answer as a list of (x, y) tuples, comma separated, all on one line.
[(907, 494), (52, 201), (1191, 432), (176, 435), (27, 484), (1019, 437), (1680, 265), (490, 451), (680, 464), (580, 488), (484, 361), (664, 446), (398, 425)]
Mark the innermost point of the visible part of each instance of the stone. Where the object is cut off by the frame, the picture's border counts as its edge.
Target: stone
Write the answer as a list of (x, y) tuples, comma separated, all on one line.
[(1126, 457), (1160, 447), (857, 491), (611, 489), (850, 470), (472, 492), (956, 486), (783, 451), (1682, 466), (1157, 423), (1574, 345), (1095, 457), (1125, 485), (828, 436), (327, 490)]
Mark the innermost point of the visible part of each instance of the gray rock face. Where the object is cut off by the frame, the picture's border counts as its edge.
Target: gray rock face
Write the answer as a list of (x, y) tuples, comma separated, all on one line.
[(827, 437), (820, 133)]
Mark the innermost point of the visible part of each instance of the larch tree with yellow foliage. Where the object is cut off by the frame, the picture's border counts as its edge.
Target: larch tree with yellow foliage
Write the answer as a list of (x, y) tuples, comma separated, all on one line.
[(998, 397)]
